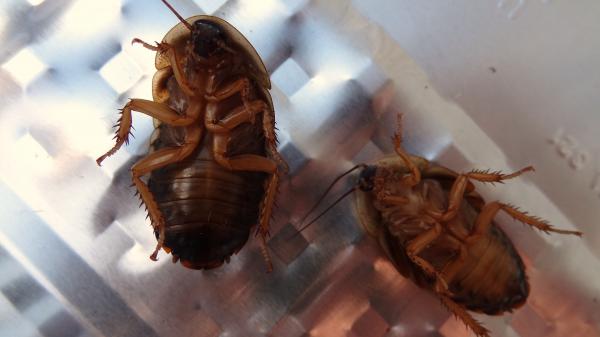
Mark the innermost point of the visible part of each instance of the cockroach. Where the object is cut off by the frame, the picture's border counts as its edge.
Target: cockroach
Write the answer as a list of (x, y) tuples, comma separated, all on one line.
[(213, 160), (440, 233)]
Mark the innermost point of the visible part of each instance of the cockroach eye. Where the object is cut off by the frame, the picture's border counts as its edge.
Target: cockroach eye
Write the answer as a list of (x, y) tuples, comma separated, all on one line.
[(205, 37), (365, 180)]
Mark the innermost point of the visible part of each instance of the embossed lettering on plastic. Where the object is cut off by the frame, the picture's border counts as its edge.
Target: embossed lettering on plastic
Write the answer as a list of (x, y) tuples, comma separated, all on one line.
[(568, 148), (576, 155)]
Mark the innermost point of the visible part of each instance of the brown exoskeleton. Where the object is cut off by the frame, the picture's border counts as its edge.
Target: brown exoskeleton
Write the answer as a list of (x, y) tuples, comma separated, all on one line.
[(213, 160), (439, 232)]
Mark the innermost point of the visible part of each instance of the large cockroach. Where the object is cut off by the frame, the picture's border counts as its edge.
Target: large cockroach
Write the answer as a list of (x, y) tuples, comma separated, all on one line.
[(213, 160), (439, 232)]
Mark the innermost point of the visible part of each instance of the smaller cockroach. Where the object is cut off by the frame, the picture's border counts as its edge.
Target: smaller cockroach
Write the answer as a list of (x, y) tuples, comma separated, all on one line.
[(439, 232)]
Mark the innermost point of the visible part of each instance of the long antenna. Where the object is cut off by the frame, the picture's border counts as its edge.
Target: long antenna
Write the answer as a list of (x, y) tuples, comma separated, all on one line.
[(177, 15), (327, 209), (329, 189)]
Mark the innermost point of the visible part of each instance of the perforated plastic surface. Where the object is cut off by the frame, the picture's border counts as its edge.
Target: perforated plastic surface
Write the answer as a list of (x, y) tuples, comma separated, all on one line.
[(519, 86)]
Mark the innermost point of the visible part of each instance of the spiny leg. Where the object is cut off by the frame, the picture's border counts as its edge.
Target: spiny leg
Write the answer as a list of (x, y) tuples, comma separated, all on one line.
[(271, 138), (392, 199), (481, 228), (175, 62), (266, 209), (249, 162), (410, 180), (460, 312), (271, 185), (452, 268), (416, 245), (415, 174), (457, 191), (161, 157), (256, 163), (153, 109), (152, 162), (238, 116), (241, 85), (489, 211), (146, 44)]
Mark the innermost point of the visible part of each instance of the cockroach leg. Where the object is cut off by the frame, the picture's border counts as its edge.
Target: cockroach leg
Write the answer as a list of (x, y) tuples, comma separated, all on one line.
[(416, 245), (391, 199), (247, 162), (238, 116), (154, 161), (415, 174), (160, 93), (271, 190), (267, 204), (174, 61), (145, 44), (265, 253), (265, 216), (159, 111), (461, 313), (269, 129), (243, 114), (241, 85), (489, 211), (496, 177), (457, 191), (273, 182), (242, 162), (278, 158), (452, 268), (250, 162)]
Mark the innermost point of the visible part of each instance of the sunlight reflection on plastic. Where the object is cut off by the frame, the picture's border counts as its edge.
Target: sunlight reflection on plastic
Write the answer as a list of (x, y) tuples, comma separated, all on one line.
[(135, 260), (32, 153), (91, 16), (121, 72), (258, 10), (25, 67), (289, 77), (44, 309), (69, 116), (2, 22), (35, 2), (210, 6), (329, 78)]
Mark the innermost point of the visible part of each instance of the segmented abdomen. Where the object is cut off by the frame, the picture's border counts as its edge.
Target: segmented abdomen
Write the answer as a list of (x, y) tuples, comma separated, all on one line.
[(493, 279), (208, 210)]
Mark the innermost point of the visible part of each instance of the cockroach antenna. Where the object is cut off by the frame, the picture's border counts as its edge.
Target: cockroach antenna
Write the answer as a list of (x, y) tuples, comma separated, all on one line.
[(329, 189), (325, 194), (177, 15), (327, 209)]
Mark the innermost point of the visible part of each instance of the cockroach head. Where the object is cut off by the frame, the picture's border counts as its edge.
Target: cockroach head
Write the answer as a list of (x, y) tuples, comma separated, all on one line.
[(366, 179), (207, 38)]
